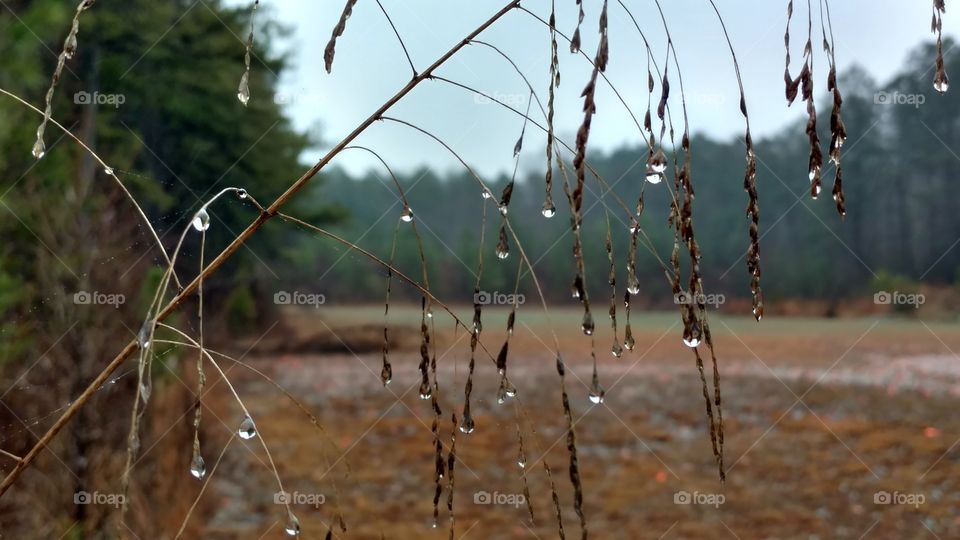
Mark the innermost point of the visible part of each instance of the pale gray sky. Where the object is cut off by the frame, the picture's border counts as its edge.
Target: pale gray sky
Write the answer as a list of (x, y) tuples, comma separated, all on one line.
[(370, 67)]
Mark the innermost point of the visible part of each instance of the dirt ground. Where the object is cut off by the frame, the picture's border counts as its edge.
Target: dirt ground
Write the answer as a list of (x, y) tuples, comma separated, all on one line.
[(840, 428)]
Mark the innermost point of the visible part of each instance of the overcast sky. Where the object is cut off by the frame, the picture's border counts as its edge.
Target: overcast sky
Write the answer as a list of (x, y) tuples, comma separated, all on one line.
[(370, 67)]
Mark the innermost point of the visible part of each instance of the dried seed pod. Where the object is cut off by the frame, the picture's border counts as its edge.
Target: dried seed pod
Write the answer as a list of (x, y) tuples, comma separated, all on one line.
[(330, 50)]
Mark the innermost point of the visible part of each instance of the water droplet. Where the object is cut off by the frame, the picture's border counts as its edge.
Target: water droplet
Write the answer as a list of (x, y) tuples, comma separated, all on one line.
[(503, 209), (486, 194), (145, 391), (633, 284), (654, 177), (143, 337), (201, 221), (386, 374), (197, 467), (248, 429), (242, 193), (617, 349), (243, 91), (108, 171), (941, 84), (549, 210), (503, 251), (407, 215), (628, 342), (587, 325), (692, 335), (292, 528), (597, 393), (39, 149), (657, 162), (70, 47), (425, 391), (429, 313), (511, 389), (521, 463), (816, 191), (467, 425)]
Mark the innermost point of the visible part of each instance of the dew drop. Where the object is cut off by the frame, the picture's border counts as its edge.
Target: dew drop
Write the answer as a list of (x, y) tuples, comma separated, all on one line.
[(657, 163), (467, 425), (654, 177), (596, 393), (486, 194), (941, 84), (201, 221), (629, 343), (549, 210), (511, 389), (503, 209), (145, 391), (617, 349), (587, 325), (108, 171), (386, 374), (503, 251), (692, 335), (242, 193), (633, 284), (248, 429), (407, 215), (522, 464), (39, 149), (143, 337), (292, 528), (425, 391), (243, 91), (197, 467)]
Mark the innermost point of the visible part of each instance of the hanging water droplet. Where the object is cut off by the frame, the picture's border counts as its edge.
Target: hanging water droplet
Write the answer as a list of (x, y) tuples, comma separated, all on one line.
[(292, 528), (243, 91), (657, 162), (503, 209), (654, 177), (242, 193), (145, 391), (143, 337), (816, 191), (511, 389), (201, 221), (549, 210), (628, 342), (503, 251), (386, 374), (248, 429), (486, 194), (502, 394), (197, 467), (596, 393), (617, 349), (407, 215), (429, 313), (633, 283), (467, 425), (587, 325), (522, 463), (39, 149), (108, 171), (941, 84), (425, 391), (691, 336)]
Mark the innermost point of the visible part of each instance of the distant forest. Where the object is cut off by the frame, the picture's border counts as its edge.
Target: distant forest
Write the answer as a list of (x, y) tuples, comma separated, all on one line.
[(901, 226)]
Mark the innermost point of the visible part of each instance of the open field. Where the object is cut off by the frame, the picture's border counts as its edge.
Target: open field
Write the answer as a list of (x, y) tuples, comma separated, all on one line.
[(821, 417)]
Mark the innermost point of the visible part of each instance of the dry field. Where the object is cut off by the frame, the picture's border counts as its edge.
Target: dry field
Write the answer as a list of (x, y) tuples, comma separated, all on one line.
[(824, 419)]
